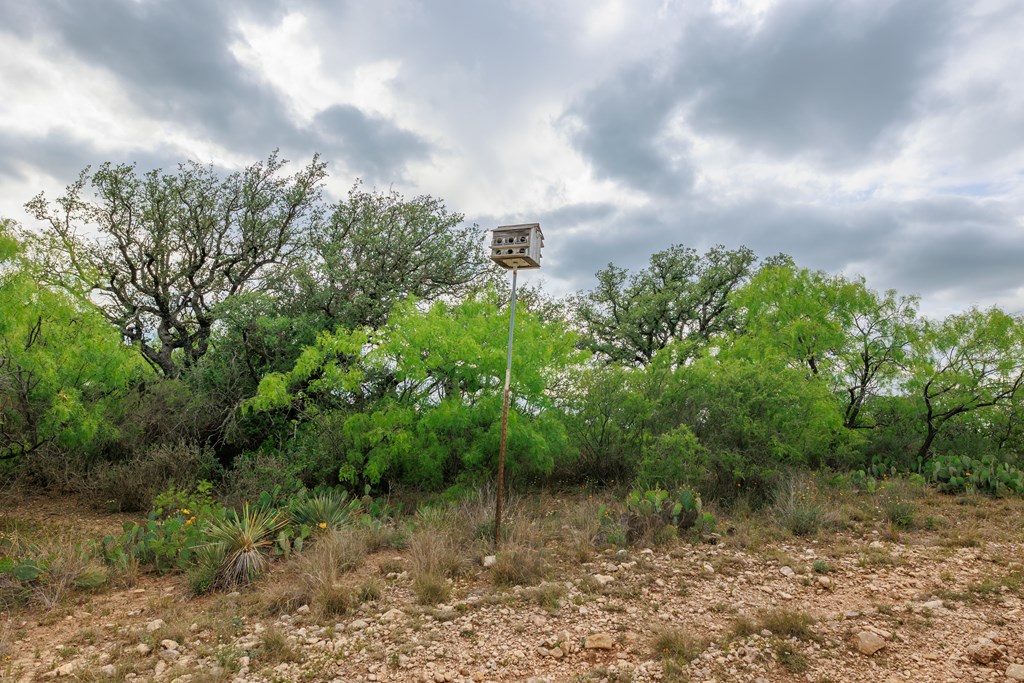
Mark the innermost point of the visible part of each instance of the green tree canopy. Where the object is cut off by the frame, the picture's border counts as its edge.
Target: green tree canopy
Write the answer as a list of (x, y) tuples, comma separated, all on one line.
[(680, 297), (420, 398), (62, 367), (159, 252)]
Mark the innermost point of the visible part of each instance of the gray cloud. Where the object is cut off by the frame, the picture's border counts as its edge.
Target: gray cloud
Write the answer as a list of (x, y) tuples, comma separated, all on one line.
[(832, 82), (826, 87), (375, 146), (174, 60)]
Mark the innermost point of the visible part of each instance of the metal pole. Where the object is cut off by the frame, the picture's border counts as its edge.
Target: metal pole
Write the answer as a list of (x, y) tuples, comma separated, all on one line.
[(504, 412)]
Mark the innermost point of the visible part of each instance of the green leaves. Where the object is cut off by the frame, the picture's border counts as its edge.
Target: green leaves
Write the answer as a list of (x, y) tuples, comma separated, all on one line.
[(419, 399), (62, 368)]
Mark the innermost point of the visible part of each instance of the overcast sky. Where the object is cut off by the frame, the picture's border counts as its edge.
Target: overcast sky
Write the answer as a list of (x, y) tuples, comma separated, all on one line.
[(873, 137)]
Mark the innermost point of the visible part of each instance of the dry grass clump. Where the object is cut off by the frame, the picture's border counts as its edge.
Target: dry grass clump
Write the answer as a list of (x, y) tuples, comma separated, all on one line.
[(519, 565), (784, 623), (431, 588), (275, 648), (678, 645), (581, 524), (323, 568), (801, 506)]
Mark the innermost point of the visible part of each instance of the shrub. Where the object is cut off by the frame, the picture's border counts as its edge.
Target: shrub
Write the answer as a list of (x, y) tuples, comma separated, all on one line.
[(131, 485), (674, 459), (330, 507), (247, 538)]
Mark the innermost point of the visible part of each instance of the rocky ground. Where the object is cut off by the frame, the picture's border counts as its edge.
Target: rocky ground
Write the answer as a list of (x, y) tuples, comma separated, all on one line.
[(941, 603)]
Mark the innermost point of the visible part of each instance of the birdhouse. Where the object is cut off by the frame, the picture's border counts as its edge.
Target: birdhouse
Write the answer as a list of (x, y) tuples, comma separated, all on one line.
[(517, 246)]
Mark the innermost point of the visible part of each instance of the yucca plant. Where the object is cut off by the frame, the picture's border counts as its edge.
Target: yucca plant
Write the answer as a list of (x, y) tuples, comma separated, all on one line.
[(330, 508), (246, 538)]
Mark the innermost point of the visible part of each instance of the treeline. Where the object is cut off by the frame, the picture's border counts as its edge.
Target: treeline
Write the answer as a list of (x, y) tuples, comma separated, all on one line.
[(161, 328)]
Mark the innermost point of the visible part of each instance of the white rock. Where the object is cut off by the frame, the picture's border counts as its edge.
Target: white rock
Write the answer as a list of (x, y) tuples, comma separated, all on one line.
[(155, 625), (787, 571), (358, 625), (603, 579), (489, 560), (599, 641), (304, 609), (933, 604), (143, 649), (392, 615), (169, 644), (868, 643), (1015, 672)]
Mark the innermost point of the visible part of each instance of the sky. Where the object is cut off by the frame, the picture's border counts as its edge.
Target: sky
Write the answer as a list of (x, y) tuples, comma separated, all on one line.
[(879, 138)]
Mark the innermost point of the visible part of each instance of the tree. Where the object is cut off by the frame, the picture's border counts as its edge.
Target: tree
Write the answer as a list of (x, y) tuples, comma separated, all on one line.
[(968, 362), (833, 327), (63, 369), (380, 248), (680, 296), (160, 252)]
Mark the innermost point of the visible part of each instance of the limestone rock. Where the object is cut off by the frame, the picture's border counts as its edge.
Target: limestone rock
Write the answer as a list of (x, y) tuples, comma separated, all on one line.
[(1015, 672), (392, 615), (599, 641), (155, 625), (603, 579), (984, 651), (868, 643), (489, 560)]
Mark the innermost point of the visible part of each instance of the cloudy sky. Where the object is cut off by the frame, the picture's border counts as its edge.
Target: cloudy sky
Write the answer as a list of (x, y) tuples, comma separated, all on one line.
[(875, 137)]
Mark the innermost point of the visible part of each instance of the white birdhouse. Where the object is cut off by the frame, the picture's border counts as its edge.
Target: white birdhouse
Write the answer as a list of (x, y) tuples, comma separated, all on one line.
[(517, 246)]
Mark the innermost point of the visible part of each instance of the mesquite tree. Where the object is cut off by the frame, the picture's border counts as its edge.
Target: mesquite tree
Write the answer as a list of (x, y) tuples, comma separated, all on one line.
[(159, 252)]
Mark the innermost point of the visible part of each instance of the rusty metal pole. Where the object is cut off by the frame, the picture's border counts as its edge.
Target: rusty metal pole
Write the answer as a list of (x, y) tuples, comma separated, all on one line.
[(504, 413)]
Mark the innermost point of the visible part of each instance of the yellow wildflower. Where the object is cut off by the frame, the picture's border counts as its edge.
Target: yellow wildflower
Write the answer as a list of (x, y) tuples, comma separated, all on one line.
[(323, 525)]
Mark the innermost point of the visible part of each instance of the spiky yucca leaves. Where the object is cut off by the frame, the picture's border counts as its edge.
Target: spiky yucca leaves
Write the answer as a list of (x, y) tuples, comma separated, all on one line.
[(246, 538), (331, 508)]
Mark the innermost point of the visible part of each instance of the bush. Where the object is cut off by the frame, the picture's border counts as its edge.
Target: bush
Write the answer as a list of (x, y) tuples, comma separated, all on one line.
[(131, 485), (673, 460), (247, 538)]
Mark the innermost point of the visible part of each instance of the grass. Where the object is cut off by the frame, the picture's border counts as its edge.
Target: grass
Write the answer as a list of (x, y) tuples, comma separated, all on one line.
[(519, 565), (784, 623), (275, 648), (800, 506), (791, 658), (677, 644), (431, 588)]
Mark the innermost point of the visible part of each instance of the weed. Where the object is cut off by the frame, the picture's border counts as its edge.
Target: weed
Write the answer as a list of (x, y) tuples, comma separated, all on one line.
[(821, 567)]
